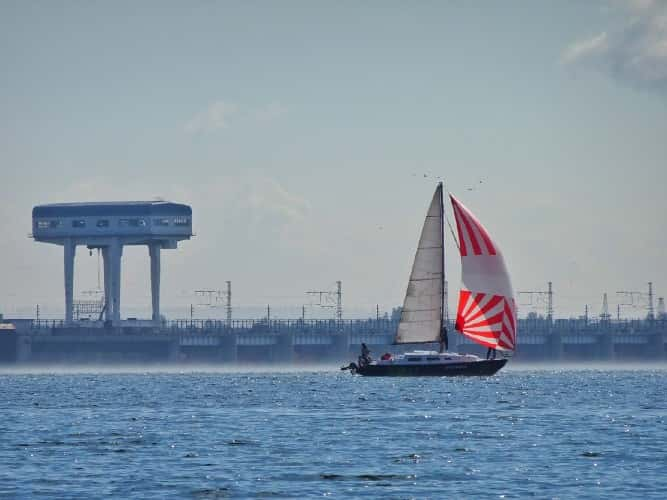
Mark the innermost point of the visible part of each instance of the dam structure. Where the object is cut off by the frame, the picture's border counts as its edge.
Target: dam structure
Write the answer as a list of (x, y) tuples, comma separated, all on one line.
[(109, 226), (159, 225), (310, 341)]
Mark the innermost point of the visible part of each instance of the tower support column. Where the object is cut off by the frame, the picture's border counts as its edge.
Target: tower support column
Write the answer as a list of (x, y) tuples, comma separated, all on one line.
[(116, 251), (108, 307), (154, 251), (69, 252)]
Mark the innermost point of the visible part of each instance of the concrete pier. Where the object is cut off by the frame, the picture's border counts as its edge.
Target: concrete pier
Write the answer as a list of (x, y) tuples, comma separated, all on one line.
[(605, 345), (69, 250), (106, 260), (657, 341), (340, 347), (23, 349), (555, 343), (174, 350), (283, 349), (115, 254)]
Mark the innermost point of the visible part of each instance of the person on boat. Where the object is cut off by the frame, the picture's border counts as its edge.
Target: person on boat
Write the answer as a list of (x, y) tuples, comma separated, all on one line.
[(444, 341), (491, 353), (365, 357), (386, 356)]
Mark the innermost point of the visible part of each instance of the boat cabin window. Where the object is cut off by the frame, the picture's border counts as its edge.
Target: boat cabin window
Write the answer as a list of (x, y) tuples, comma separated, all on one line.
[(79, 223), (414, 359), (432, 359), (103, 223), (181, 221)]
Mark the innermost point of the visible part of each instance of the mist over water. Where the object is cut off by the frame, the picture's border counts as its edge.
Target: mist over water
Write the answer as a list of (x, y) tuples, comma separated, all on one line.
[(159, 368), (55, 369), (201, 431)]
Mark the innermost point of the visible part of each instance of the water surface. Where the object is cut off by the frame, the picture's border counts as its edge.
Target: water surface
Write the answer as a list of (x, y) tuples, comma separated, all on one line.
[(565, 433)]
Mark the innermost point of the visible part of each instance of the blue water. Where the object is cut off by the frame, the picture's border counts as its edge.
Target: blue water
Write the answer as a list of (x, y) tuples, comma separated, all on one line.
[(543, 433)]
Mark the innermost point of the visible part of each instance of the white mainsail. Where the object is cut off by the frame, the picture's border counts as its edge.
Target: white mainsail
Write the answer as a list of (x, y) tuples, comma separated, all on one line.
[(486, 312), (421, 317)]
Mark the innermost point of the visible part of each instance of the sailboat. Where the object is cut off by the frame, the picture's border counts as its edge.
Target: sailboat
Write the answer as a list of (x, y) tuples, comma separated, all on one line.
[(486, 312)]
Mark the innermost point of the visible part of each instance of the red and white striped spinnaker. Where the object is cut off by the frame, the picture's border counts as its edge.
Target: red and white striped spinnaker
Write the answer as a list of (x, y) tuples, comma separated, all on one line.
[(487, 312)]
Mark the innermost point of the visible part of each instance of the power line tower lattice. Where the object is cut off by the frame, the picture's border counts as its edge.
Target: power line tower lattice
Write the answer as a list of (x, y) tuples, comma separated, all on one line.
[(662, 315), (637, 300), (537, 298), (329, 299), (604, 314)]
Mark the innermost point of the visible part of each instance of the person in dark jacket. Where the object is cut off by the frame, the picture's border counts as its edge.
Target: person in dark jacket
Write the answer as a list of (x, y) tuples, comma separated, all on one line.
[(365, 357)]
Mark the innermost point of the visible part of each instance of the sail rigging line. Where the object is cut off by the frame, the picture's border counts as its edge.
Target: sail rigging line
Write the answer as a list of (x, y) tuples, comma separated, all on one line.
[(451, 230)]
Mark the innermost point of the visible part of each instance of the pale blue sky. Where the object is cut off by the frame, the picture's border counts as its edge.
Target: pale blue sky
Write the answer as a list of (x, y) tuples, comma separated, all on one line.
[(300, 133)]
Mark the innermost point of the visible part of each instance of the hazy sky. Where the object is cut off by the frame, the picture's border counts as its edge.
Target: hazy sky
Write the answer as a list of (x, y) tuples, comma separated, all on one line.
[(300, 133)]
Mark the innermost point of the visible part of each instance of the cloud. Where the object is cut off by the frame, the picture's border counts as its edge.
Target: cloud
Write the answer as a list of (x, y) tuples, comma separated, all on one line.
[(586, 49), (248, 206), (214, 117), (266, 197), (255, 201), (635, 55), (270, 112)]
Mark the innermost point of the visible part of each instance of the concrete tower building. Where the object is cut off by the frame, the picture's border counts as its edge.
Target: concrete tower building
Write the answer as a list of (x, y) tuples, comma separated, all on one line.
[(110, 226)]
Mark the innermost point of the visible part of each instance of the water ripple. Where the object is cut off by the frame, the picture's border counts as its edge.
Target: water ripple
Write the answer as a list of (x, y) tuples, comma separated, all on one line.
[(549, 434)]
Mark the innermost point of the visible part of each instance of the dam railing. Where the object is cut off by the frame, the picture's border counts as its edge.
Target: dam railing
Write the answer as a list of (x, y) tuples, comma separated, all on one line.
[(381, 326)]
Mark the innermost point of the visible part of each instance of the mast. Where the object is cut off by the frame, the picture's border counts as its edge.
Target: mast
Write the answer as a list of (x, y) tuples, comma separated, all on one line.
[(444, 341)]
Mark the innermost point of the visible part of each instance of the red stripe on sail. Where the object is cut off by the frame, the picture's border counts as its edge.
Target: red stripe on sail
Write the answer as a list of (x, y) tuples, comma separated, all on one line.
[(472, 320), (493, 345), (490, 335), (510, 314), (469, 220), (508, 333), (493, 320), (505, 345), (464, 295), (457, 216), (485, 236), (489, 305), (475, 302), (487, 240), (477, 250)]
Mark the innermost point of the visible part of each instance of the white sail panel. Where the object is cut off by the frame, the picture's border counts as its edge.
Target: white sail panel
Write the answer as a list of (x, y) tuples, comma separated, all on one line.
[(421, 316), (487, 311)]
